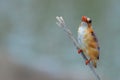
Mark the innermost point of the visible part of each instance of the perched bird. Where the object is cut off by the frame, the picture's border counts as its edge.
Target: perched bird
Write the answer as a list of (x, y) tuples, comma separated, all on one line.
[(88, 41)]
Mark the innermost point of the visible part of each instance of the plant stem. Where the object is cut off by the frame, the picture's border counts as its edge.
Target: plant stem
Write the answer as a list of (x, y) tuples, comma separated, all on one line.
[(61, 23)]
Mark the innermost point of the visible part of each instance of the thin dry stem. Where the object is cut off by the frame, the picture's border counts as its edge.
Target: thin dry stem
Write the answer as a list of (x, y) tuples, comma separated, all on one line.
[(61, 23)]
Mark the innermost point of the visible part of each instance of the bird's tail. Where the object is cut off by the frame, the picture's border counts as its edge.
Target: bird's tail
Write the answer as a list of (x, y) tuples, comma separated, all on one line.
[(94, 62)]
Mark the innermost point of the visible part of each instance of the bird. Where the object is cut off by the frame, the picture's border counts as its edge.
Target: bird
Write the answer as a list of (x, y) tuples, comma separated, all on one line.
[(88, 41)]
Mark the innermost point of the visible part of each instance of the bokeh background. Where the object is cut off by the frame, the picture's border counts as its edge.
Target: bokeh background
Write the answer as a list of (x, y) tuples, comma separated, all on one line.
[(33, 47)]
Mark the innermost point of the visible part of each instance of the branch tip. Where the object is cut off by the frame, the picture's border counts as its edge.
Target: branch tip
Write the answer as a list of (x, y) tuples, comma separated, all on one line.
[(61, 23)]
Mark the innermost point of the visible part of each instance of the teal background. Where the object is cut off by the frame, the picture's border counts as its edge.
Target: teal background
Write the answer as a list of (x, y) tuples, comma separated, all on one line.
[(29, 36)]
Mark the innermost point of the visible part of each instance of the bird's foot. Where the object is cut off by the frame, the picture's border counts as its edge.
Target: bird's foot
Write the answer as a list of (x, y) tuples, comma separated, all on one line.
[(87, 61), (79, 51)]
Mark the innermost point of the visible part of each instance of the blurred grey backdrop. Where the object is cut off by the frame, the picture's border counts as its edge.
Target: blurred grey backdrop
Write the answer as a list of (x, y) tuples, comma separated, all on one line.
[(29, 36)]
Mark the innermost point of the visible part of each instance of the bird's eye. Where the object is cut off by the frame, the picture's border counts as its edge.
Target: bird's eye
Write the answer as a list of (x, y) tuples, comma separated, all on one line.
[(90, 21)]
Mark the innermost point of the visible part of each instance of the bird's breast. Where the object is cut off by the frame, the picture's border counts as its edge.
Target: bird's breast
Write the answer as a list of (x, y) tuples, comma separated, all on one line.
[(81, 30), (81, 34)]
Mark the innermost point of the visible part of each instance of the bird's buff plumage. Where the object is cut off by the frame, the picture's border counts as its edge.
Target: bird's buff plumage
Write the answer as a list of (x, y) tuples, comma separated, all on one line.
[(88, 41)]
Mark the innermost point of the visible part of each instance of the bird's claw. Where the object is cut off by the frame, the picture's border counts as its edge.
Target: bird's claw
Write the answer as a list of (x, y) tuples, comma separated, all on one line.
[(87, 61), (79, 51)]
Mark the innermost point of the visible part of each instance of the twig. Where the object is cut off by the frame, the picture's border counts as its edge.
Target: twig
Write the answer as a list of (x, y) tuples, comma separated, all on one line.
[(61, 23)]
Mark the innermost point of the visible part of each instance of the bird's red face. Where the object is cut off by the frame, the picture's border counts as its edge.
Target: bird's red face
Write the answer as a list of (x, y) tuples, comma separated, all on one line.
[(86, 19)]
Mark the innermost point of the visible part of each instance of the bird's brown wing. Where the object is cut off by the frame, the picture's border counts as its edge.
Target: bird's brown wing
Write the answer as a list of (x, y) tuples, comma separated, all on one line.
[(92, 43), (95, 39)]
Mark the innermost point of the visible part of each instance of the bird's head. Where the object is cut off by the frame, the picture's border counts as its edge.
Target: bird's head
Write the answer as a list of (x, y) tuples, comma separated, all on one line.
[(86, 20)]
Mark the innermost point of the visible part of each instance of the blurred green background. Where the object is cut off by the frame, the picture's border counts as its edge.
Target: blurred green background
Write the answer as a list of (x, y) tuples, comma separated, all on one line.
[(29, 36)]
